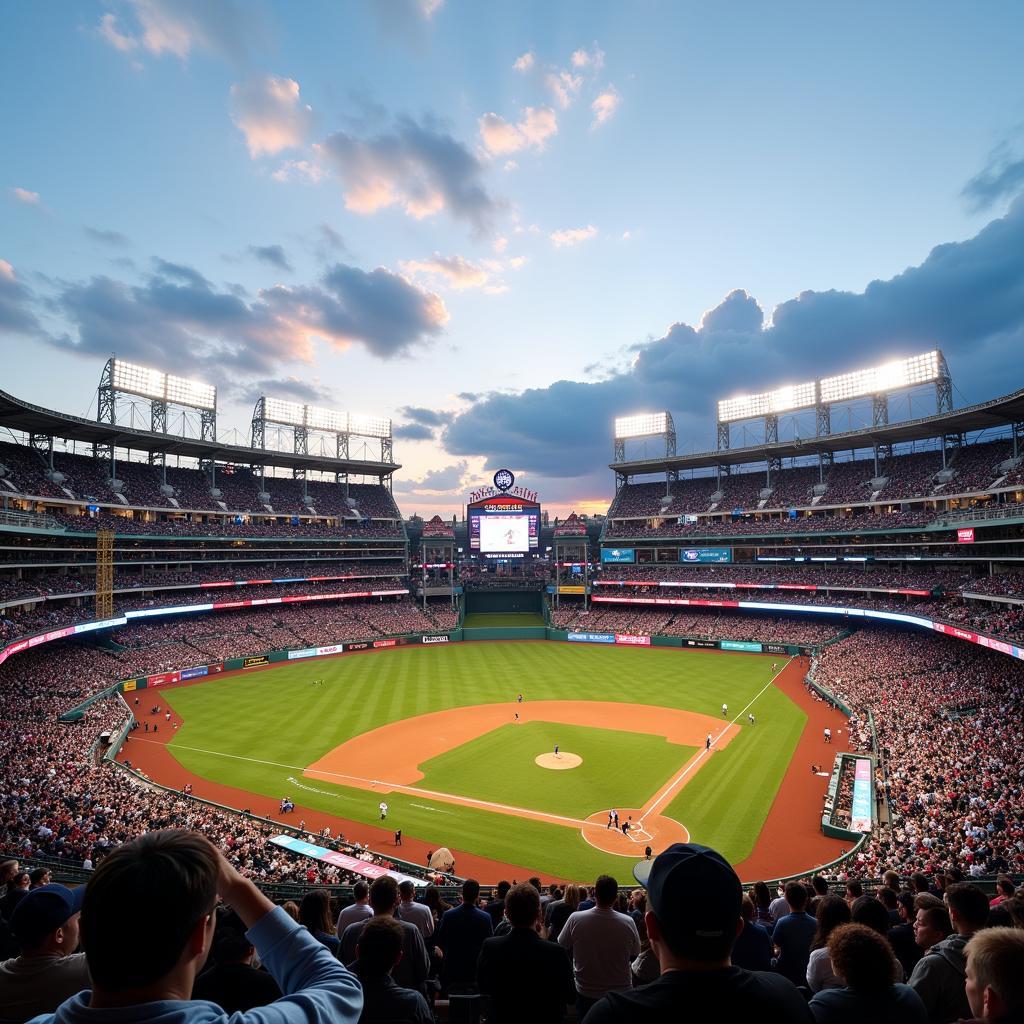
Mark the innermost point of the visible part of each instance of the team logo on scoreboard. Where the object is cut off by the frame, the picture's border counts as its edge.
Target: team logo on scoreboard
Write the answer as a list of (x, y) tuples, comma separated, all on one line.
[(504, 479)]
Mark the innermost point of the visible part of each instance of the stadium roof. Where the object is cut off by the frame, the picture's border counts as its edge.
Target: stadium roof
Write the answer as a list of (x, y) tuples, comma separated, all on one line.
[(983, 416), (33, 419)]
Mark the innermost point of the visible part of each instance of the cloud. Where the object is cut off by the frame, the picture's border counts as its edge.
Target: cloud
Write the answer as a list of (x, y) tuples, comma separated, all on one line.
[(427, 417), (966, 298), (500, 244), (416, 166), (413, 432), (428, 8), (299, 170), (564, 86), (446, 480), (572, 236), (592, 60), (16, 315), (226, 27), (270, 114), (605, 105), (534, 128), (23, 195), (273, 255), (525, 62), (456, 271), (106, 237), (1001, 178), (296, 389), (177, 319)]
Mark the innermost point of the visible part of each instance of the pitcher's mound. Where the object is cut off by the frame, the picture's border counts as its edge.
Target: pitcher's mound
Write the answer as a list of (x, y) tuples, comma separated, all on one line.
[(560, 761)]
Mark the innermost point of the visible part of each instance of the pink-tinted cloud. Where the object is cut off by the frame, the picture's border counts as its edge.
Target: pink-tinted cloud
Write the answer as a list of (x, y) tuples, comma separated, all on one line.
[(270, 114)]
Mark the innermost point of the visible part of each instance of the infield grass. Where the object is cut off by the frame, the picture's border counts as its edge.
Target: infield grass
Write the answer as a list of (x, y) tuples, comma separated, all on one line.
[(259, 730)]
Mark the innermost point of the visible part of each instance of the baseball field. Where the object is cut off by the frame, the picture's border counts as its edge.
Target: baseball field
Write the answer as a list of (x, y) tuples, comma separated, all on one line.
[(439, 735)]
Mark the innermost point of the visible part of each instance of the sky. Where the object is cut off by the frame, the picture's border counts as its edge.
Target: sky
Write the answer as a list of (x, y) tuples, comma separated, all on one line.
[(504, 224)]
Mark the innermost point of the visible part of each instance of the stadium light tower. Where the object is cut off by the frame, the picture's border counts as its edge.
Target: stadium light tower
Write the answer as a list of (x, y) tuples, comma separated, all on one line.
[(645, 424), (767, 405), (161, 389)]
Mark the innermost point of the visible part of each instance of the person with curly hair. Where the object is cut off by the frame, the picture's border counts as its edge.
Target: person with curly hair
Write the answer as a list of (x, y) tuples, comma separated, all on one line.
[(864, 962)]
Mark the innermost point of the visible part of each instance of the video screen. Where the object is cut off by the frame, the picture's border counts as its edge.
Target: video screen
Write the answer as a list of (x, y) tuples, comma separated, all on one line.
[(504, 533)]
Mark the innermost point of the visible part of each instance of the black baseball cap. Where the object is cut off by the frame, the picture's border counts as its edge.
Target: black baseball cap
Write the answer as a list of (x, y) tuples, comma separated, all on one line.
[(694, 890), (43, 911)]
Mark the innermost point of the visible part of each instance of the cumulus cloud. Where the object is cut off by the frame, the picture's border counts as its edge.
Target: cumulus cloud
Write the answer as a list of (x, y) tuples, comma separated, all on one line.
[(592, 60), (456, 271), (274, 255), (416, 166), (270, 114), (413, 432), (23, 195), (533, 129), (605, 105), (525, 62), (446, 480), (965, 297), (177, 318), (16, 301), (297, 389), (1001, 178), (572, 236), (427, 417), (177, 27)]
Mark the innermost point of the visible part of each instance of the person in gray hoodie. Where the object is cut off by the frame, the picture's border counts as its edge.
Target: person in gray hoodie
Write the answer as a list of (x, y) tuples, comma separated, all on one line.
[(939, 977)]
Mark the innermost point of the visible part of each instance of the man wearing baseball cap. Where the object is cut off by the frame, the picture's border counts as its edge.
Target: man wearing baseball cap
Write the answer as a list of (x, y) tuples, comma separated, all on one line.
[(45, 923), (693, 917)]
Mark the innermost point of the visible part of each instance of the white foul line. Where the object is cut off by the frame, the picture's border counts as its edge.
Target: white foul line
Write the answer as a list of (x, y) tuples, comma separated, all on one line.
[(696, 760)]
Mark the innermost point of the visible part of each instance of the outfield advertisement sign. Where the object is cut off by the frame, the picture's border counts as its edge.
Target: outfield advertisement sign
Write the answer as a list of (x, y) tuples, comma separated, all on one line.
[(775, 649), (256, 661), (194, 673), (701, 556), (631, 639), (710, 645), (435, 639), (572, 589), (618, 554), (315, 652), (591, 638), (860, 809), (739, 645), (342, 860)]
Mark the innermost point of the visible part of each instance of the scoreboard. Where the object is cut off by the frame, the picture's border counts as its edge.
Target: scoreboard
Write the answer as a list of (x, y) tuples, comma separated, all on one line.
[(503, 525)]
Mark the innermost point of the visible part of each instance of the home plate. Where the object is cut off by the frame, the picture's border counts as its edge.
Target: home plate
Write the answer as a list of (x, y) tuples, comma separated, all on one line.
[(560, 761)]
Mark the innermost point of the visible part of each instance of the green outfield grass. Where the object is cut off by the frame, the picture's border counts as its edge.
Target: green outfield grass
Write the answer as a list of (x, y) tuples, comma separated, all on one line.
[(259, 730), (505, 620), (500, 766)]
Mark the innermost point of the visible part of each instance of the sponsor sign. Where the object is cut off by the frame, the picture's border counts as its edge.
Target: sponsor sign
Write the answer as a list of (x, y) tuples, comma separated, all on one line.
[(860, 808), (572, 590), (316, 652), (128, 686), (739, 645), (775, 649), (214, 669), (343, 860), (358, 645), (308, 652), (194, 673), (385, 643), (591, 638), (434, 639), (708, 644), (255, 661), (704, 555), (618, 554), (629, 638), (163, 679), (965, 535)]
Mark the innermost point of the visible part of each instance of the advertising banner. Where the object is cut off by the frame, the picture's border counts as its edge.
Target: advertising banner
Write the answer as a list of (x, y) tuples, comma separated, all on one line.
[(385, 643), (965, 535), (775, 649), (194, 673), (618, 555), (572, 590), (629, 638), (435, 639), (860, 808), (740, 645), (711, 645), (308, 652), (163, 678), (357, 645), (703, 555), (128, 686), (214, 669), (591, 638), (343, 861), (255, 661)]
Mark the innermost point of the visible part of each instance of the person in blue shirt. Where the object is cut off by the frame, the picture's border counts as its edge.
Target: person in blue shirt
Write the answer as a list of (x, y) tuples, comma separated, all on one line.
[(793, 936), (460, 936), (752, 948), (147, 925)]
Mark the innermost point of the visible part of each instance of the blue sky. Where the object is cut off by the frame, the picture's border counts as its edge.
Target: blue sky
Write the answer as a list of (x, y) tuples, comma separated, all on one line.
[(512, 216)]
